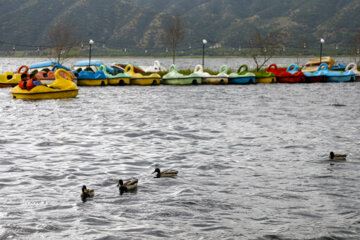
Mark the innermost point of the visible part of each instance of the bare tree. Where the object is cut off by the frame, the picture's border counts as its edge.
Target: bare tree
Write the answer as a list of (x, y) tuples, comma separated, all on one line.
[(63, 40), (263, 48), (173, 34)]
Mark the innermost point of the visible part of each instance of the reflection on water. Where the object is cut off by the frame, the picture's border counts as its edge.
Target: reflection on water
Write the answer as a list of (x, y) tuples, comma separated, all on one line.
[(252, 163)]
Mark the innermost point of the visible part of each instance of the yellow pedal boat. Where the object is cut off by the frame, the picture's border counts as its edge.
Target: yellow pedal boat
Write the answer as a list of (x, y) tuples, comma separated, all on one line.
[(10, 79), (140, 79), (61, 88)]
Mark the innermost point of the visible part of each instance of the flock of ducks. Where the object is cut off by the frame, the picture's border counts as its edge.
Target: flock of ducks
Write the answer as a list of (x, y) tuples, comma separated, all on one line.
[(131, 185), (128, 186)]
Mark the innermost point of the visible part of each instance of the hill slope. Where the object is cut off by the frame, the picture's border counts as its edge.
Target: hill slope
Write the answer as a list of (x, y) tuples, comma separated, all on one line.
[(139, 23)]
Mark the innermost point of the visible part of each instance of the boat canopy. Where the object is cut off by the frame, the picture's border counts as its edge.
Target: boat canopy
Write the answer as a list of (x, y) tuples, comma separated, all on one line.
[(86, 63), (43, 64)]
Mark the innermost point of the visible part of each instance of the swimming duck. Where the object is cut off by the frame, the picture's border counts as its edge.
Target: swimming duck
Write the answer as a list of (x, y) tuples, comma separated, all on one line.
[(167, 173), (334, 156), (86, 193), (127, 186)]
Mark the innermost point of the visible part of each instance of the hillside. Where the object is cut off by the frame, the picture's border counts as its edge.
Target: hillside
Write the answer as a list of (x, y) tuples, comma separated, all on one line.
[(121, 24)]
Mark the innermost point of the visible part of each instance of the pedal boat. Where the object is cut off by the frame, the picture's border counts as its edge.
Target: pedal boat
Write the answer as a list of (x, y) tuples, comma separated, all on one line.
[(338, 67), (353, 67), (173, 77), (117, 79), (137, 69), (312, 77), (42, 67), (291, 75), (89, 78), (154, 68), (94, 66), (260, 77), (336, 76), (61, 88), (47, 78), (10, 79), (242, 77), (207, 78), (140, 79), (313, 64)]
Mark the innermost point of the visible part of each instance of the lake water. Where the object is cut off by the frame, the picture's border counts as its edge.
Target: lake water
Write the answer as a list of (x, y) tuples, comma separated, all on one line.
[(252, 161)]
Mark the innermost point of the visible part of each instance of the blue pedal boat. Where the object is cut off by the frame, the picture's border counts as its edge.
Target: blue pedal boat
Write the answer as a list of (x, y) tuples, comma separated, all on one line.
[(42, 66), (242, 77), (336, 76)]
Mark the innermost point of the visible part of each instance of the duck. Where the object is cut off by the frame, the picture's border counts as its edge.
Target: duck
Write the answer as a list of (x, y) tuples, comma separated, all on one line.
[(86, 193), (167, 173), (334, 156), (127, 186)]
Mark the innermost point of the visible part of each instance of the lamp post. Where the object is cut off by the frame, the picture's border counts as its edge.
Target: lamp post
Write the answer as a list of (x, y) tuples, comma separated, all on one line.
[(204, 43), (91, 42), (322, 41)]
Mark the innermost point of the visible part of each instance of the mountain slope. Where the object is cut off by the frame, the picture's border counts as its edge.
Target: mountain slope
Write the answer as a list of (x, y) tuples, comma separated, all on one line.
[(139, 23)]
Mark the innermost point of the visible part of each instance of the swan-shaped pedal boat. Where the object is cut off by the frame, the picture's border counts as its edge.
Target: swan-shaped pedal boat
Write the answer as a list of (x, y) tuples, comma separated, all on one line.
[(140, 79), (207, 78), (48, 77), (242, 76), (61, 88), (336, 76), (10, 79), (291, 75), (261, 77), (353, 67), (318, 76), (173, 77), (117, 79), (153, 69)]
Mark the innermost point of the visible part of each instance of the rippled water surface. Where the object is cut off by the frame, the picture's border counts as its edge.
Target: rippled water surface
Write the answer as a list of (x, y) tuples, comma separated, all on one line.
[(252, 161)]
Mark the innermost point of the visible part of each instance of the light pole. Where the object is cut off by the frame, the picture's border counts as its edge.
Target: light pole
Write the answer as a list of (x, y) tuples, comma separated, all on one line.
[(204, 43), (322, 41), (91, 42)]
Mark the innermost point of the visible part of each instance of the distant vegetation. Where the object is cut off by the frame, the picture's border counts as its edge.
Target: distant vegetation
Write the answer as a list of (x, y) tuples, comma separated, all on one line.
[(135, 27)]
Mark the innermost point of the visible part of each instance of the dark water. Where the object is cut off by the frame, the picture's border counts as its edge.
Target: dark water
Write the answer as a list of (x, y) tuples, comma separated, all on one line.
[(252, 163)]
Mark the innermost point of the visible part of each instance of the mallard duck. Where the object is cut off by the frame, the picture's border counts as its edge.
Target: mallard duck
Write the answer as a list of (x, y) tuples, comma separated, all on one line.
[(334, 156), (86, 193), (167, 173), (127, 186)]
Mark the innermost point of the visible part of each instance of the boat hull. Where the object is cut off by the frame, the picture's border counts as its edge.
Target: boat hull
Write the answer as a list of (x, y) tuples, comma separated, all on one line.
[(215, 80), (266, 80), (4, 85), (92, 82), (314, 79), (242, 80), (43, 92), (339, 78), (119, 81), (9, 79), (182, 81), (290, 79), (145, 81)]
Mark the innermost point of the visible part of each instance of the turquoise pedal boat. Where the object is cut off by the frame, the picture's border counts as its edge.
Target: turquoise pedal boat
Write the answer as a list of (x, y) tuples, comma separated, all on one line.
[(242, 77), (336, 76), (117, 79)]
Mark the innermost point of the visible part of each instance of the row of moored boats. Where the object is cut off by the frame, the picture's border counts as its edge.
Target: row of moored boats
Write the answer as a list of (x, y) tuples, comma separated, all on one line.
[(59, 81)]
